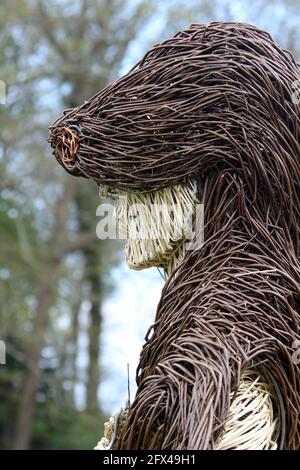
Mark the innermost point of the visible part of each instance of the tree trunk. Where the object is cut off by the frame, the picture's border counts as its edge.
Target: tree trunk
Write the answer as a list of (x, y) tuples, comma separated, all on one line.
[(86, 206), (45, 298), (30, 385), (93, 375), (70, 370)]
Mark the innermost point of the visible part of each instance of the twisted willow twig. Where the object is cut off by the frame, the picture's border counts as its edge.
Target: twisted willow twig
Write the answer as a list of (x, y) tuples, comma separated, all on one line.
[(214, 103)]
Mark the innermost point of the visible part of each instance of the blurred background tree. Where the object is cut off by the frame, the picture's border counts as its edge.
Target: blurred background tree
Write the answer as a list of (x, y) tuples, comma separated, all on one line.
[(53, 271)]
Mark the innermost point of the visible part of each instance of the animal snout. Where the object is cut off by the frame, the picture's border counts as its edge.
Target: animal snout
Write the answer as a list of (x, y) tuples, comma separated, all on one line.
[(65, 141)]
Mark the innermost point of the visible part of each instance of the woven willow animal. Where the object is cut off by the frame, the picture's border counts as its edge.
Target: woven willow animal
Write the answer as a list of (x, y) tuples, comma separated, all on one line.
[(214, 104)]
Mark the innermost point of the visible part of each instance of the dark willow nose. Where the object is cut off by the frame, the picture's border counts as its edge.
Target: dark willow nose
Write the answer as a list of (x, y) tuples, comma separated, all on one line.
[(65, 141)]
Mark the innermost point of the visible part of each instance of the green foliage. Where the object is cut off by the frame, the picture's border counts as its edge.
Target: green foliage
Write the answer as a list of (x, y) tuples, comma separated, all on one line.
[(58, 427)]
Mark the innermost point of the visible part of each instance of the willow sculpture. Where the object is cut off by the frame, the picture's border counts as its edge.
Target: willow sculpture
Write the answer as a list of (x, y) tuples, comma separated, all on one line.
[(212, 109)]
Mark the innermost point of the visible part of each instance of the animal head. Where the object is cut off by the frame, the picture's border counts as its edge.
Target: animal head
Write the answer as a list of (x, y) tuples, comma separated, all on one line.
[(215, 104)]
